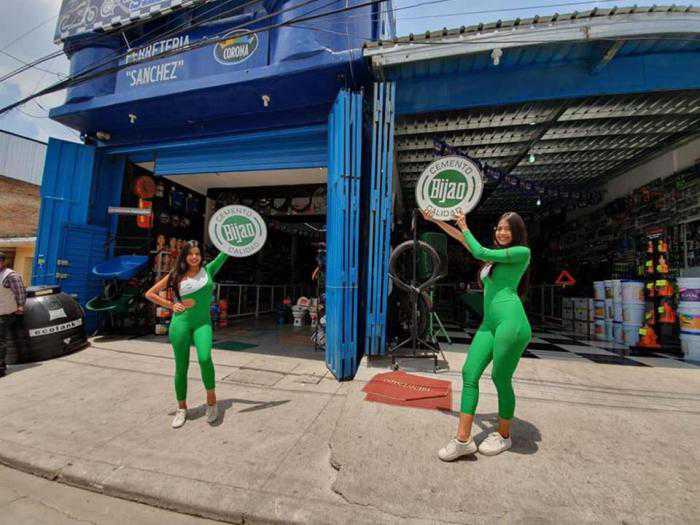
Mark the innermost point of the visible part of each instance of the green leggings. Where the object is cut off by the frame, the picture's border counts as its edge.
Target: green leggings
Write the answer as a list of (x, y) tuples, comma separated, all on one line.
[(182, 335), (502, 337)]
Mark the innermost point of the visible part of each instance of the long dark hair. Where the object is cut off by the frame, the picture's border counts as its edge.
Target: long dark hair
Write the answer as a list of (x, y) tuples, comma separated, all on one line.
[(177, 274), (518, 233)]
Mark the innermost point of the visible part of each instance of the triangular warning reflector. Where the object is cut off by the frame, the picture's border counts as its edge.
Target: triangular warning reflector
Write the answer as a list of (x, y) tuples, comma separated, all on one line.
[(565, 279)]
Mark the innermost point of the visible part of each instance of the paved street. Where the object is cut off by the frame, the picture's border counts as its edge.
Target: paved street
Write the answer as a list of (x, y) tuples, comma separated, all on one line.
[(592, 442)]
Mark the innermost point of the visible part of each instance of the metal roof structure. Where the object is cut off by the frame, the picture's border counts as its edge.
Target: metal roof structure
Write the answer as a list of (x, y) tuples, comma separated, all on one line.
[(571, 143)]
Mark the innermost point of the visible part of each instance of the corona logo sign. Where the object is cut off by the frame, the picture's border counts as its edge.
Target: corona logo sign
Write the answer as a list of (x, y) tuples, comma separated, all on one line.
[(238, 231), (449, 185), (237, 47)]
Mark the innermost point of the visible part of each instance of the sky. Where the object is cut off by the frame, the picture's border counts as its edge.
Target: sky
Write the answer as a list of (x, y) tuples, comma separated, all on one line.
[(27, 28)]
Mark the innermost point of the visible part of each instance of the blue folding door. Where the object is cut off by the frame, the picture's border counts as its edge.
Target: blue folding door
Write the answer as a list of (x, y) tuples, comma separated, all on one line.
[(342, 237)]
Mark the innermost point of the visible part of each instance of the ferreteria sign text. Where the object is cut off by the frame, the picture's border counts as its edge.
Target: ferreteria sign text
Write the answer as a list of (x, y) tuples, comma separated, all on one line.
[(449, 185), (238, 231)]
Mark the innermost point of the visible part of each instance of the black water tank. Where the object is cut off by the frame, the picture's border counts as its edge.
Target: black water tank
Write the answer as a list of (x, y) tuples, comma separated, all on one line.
[(54, 325)]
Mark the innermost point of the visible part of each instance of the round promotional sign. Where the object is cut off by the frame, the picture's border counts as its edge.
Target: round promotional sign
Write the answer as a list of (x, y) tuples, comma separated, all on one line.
[(237, 231), (449, 185)]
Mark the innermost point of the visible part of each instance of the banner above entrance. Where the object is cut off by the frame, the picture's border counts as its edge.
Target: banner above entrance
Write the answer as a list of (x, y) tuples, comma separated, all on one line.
[(449, 185), (78, 17)]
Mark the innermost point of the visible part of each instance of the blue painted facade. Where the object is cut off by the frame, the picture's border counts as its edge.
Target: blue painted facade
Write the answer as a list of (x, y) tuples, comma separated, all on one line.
[(256, 97)]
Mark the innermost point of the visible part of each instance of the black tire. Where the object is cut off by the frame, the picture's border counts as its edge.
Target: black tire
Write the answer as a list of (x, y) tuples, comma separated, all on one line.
[(406, 246)]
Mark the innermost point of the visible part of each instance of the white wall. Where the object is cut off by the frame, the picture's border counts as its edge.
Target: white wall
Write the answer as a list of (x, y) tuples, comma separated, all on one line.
[(21, 158), (662, 166)]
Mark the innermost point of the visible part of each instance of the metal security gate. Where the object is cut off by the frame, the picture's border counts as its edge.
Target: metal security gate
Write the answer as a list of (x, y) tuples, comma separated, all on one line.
[(342, 237), (380, 218)]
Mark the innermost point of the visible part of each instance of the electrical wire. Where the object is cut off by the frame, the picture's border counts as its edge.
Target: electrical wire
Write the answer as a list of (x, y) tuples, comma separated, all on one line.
[(20, 37)]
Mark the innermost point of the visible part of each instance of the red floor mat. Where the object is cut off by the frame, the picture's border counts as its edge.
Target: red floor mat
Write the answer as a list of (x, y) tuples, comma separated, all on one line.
[(400, 388)]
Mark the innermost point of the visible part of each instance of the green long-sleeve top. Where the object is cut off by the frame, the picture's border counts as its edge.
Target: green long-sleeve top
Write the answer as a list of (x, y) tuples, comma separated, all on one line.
[(508, 268), (199, 289)]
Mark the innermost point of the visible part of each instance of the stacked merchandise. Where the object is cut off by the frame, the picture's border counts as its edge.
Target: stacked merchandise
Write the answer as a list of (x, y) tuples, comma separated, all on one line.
[(567, 314), (660, 317), (617, 308), (633, 308), (609, 311), (689, 315), (583, 313), (599, 310)]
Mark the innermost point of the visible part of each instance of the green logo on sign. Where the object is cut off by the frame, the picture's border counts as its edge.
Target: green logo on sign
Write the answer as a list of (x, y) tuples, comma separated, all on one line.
[(447, 189), (238, 231)]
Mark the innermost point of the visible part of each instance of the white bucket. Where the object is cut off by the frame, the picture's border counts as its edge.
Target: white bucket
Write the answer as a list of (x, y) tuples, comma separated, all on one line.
[(599, 290), (609, 310), (599, 310), (633, 313), (609, 331), (632, 292), (689, 317), (690, 344), (631, 334), (689, 289), (298, 314), (618, 333), (581, 309), (617, 311), (599, 330), (617, 290), (608, 289)]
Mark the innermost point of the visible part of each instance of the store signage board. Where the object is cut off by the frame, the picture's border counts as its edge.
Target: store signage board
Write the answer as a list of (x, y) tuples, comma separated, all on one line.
[(238, 50), (238, 231), (77, 17), (117, 210), (449, 185)]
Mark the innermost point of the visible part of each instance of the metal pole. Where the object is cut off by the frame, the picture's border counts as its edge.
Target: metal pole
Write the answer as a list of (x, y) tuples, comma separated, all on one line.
[(257, 301), (240, 298)]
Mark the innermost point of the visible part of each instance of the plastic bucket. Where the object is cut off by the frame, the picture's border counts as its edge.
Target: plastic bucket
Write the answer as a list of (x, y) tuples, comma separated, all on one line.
[(609, 331), (630, 334), (690, 345), (599, 290), (599, 330), (617, 311), (632, 292), (608, 289), (689, 289), (617, 290), (599, 310), (689, 318), (633, 313), (618, 333), (609, 310)]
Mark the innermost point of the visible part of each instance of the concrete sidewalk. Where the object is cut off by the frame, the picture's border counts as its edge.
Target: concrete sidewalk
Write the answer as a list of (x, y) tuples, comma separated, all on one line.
[(592, 443)]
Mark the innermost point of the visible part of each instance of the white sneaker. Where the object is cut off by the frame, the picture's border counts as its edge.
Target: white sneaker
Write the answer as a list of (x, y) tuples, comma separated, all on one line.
[(494, 444), (212, 414), (456, 449), (180, 417)]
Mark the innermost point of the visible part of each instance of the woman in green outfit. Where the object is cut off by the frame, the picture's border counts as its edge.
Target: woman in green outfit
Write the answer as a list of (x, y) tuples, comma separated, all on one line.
[(504, 332), (192, 286)]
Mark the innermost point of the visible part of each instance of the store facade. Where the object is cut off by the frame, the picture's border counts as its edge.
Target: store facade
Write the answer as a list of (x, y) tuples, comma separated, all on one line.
[(312, 107)]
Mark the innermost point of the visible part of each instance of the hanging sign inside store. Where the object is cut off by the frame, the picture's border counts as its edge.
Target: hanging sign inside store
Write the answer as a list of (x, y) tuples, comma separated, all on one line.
[(449, 185), (238, 231)]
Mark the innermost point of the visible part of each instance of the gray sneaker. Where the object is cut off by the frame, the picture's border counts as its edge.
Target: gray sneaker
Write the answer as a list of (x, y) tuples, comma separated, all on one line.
[(180, 417), (494, 444), (212, 414), (456, 449)]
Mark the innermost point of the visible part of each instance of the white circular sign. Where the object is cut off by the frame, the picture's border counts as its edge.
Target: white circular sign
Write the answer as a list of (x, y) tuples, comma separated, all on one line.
[(449, 185), (237, 231)]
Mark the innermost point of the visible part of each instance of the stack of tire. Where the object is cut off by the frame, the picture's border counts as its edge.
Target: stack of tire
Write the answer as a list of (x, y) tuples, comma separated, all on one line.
[(54, 325)]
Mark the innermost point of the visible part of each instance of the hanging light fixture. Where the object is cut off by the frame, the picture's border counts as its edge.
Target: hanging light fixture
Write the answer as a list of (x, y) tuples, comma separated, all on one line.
[(531, 158), (539, 202)]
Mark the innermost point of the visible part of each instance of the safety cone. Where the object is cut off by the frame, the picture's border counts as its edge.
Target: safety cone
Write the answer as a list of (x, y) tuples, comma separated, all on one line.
[(648, 338)]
